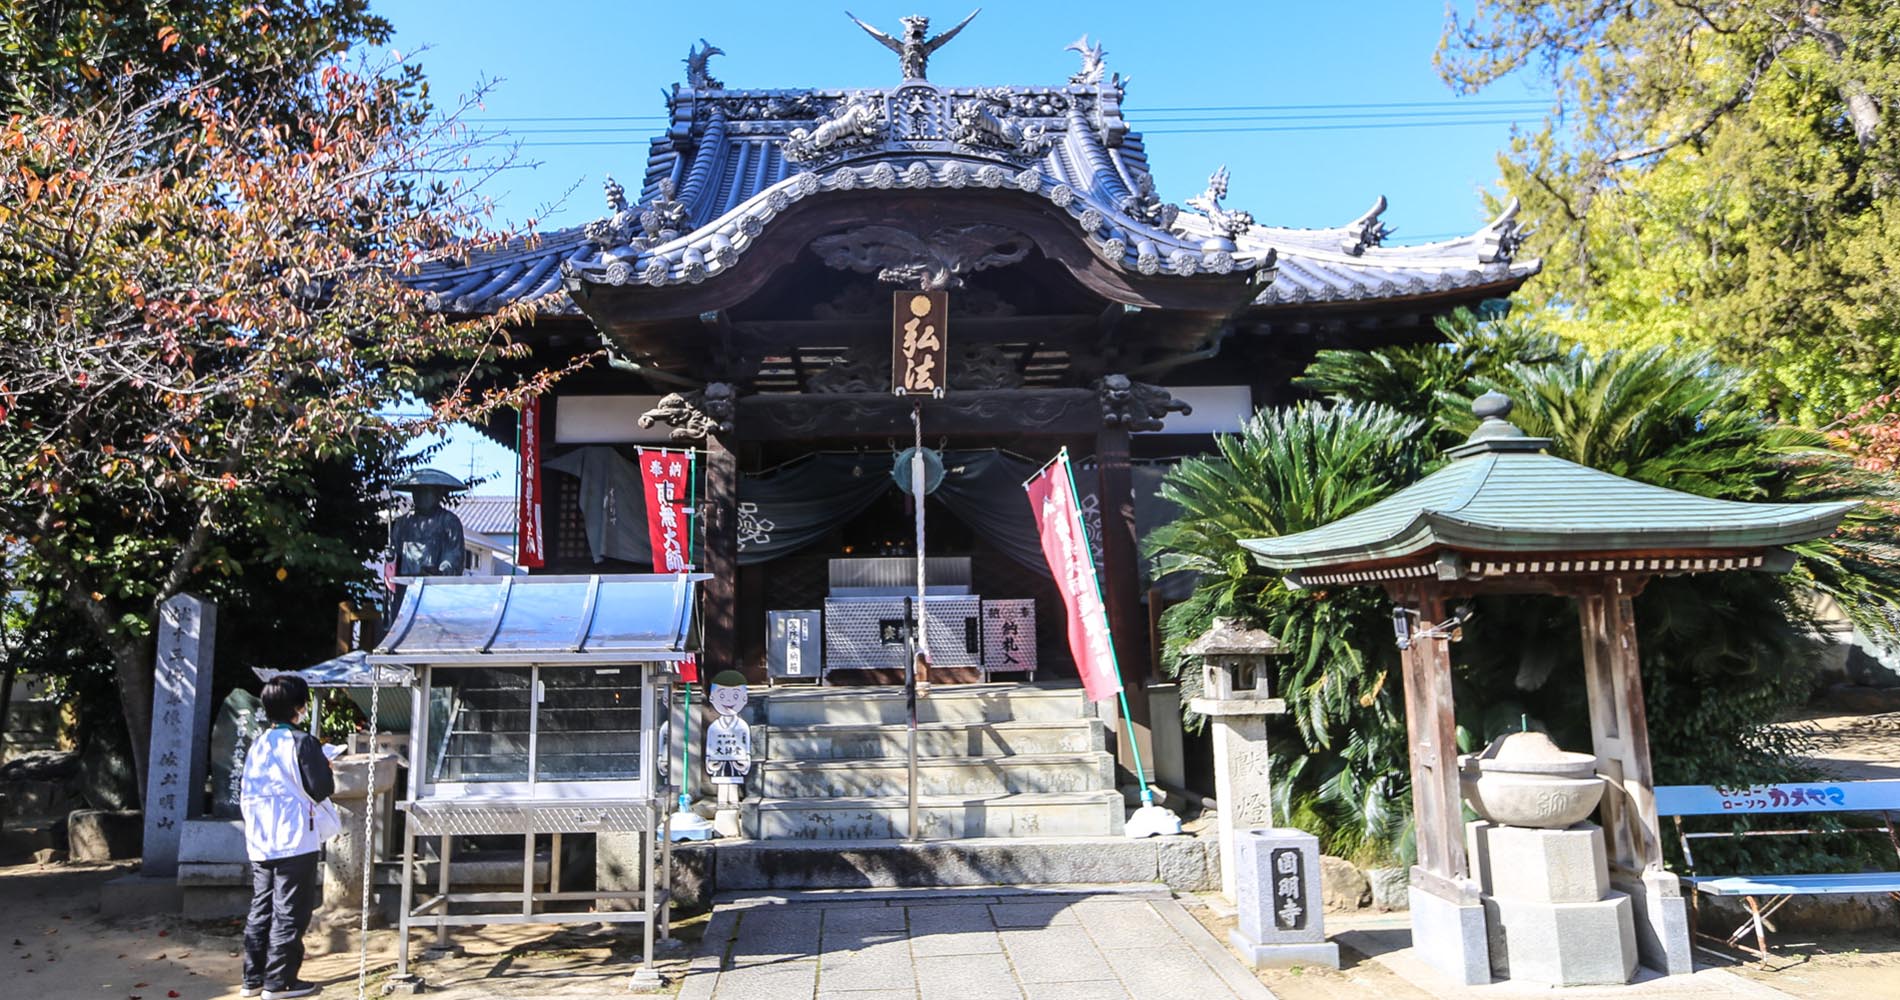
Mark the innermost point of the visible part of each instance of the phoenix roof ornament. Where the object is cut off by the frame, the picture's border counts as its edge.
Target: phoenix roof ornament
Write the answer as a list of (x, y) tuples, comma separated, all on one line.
[(914, 50)]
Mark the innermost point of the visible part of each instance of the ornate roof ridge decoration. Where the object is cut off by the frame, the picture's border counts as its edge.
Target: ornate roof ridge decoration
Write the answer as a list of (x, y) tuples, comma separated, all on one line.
[(1094, 63), (714, 247), (1503, 236), (696, 61), (914, 49), (731, 160), (1366, 231), (1229, 224)]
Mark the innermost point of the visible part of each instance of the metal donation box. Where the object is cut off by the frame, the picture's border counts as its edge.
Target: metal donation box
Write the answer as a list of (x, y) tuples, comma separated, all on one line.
[(539, 705)]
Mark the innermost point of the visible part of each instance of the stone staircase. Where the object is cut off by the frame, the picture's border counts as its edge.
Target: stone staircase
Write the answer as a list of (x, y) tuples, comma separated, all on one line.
[(994, 760)]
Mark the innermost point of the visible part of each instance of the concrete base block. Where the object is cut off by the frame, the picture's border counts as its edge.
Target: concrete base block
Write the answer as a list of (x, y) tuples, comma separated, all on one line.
[(1284, 956), (405, 986), (1449, 936), (1661, 918), (1563, 944), (645, 980), (139, 896), (211, 841), (98, 835), (1184, 863), (1547, 866)]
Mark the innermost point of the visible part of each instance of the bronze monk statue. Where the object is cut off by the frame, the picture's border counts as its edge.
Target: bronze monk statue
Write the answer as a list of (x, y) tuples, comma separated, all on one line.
[(427, 541)]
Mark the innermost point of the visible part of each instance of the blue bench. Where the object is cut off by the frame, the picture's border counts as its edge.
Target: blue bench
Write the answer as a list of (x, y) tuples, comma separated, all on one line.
[(1764, 894)]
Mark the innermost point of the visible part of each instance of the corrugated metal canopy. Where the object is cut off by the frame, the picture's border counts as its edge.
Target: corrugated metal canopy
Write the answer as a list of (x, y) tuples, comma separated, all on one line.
[(497, 621), (1502, 494)]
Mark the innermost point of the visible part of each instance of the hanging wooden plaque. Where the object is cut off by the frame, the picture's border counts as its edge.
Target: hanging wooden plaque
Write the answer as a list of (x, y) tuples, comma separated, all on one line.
[(919, 342)]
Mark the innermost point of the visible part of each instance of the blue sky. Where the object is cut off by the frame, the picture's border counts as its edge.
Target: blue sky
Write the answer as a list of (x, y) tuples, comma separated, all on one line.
[(1316, 108)]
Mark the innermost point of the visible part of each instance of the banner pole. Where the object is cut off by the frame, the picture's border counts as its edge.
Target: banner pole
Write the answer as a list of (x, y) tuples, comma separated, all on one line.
[(919, 647), (1121, 692)]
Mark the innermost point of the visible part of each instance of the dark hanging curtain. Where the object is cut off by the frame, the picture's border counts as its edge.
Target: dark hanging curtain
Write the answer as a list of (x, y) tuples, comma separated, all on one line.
[(612, 504), (790, 507), (795, 505), (984, 489)]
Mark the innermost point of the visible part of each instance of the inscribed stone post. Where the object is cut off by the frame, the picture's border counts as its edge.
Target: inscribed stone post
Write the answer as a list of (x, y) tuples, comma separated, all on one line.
[(181, 726), (1241, 786), (1277, 900)]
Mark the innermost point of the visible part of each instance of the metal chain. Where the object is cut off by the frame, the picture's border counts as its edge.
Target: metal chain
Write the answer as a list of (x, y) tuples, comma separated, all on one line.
[(369, 833)]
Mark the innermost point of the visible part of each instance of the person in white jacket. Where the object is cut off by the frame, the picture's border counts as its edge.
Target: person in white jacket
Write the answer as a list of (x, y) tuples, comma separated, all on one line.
[(285, 776)]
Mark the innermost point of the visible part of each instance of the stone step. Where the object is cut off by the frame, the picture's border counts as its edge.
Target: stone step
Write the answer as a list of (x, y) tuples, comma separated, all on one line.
[(858, 741), (1037, 814), (1188, 864), (991, 775), (947, 703)]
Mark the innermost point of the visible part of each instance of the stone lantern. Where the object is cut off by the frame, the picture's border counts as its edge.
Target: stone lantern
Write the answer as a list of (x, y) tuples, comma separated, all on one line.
[(1271, 874)]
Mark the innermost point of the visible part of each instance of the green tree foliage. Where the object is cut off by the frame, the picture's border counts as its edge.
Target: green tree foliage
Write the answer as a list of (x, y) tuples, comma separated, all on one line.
[(1719, 174), (204, 331), (264, 54), (1722, 654)]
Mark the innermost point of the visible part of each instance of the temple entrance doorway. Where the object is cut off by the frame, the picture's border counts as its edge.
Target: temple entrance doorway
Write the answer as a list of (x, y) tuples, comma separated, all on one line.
[(994, 612)]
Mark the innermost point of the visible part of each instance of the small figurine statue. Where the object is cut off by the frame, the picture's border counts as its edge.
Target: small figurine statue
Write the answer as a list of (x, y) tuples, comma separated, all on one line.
[(728, 749)]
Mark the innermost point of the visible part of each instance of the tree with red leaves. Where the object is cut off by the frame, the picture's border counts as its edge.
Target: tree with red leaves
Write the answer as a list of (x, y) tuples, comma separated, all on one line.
[(202, 295)]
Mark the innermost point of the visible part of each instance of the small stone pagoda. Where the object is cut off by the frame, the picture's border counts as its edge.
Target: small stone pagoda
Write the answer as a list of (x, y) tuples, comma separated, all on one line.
[(1505, 517)]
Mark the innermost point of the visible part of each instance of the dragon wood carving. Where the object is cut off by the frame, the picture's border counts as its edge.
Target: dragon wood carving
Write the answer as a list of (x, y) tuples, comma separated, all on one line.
[(1136, 406), (693, 415), (930, 262)]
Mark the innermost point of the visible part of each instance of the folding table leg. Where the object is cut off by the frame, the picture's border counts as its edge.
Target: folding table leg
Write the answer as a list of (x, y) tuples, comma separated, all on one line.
[(442, 888)]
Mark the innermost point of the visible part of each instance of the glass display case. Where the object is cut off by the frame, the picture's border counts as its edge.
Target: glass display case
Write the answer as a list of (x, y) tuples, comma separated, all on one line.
[(540, 710)]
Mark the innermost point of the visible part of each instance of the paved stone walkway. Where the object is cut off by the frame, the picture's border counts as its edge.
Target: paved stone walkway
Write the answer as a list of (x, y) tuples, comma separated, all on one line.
[(922, 945)]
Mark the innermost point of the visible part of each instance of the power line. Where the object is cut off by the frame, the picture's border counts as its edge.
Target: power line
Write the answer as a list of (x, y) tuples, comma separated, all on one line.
[(1400, 116), (1473, 105), (633, 140)]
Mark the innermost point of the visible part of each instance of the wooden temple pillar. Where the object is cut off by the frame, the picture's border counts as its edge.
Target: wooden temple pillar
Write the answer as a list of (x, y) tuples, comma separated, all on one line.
[(1619, 736), (1121, 589), (720, 610), (706, 417)]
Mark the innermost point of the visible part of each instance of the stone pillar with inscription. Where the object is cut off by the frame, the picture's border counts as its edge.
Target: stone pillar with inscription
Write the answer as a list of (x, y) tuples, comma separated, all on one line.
[(1277, 902), (181, 727), (1234, 699)]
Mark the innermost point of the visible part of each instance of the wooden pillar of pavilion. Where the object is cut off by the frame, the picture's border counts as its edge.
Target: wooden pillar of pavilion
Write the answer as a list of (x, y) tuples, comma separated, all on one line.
[(1437, 804), (1121, 589), (1619, 729)]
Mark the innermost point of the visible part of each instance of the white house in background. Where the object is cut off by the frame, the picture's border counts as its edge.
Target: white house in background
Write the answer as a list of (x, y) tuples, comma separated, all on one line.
[(488, 534)]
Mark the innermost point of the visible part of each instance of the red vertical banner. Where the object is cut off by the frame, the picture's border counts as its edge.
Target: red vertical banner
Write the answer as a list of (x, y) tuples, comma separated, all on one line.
[(530, 543), (1058, 518), (664, 476)]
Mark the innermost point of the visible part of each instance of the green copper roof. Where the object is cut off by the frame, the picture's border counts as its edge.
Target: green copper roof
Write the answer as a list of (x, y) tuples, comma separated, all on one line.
[(1503, 494)]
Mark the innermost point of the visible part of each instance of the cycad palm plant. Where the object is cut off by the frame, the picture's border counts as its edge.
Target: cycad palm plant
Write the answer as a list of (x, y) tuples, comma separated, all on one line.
[(1722, 654), (1286, 471)]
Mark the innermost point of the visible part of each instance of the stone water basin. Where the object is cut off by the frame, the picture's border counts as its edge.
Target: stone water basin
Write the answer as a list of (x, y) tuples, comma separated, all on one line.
[(1523, 779)]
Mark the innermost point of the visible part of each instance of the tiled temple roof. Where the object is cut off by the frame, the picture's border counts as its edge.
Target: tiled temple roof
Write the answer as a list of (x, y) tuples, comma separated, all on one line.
[(731, 162)]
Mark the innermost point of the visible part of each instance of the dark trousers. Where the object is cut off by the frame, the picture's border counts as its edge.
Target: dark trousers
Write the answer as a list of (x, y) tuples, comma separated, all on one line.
[(282, 894)]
